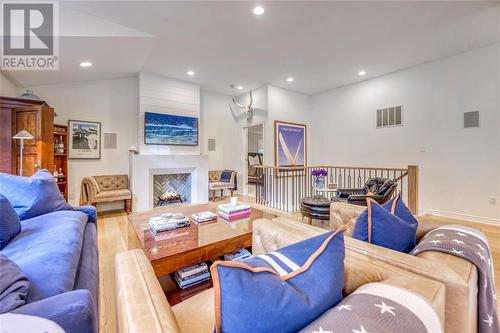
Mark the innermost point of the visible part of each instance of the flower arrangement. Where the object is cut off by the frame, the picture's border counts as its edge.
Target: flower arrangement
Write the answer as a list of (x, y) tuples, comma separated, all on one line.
[(319, 173), (319, 177)]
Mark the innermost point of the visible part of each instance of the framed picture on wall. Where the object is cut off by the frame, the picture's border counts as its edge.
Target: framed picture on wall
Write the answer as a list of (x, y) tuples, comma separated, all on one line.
[(290, 144), (84, 139)]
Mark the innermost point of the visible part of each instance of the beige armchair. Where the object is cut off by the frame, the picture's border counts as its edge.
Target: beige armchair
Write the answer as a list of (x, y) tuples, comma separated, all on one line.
[(215, 183), (96, 189)]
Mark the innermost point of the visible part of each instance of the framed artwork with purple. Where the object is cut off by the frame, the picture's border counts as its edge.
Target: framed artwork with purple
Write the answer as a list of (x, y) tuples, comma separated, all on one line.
[(290, 142)]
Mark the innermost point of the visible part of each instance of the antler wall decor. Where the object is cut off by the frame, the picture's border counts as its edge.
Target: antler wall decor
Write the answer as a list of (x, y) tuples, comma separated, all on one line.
[(246, 108)]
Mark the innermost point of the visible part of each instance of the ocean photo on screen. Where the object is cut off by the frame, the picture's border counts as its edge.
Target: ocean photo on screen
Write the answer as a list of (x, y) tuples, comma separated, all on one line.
[(165, 129)]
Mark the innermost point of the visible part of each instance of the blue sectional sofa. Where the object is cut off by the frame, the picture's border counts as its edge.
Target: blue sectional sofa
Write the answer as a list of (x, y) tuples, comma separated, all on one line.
[(58, 253)]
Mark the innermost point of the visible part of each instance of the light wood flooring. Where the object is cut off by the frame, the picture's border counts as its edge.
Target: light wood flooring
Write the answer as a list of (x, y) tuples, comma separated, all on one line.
[(113, 238)]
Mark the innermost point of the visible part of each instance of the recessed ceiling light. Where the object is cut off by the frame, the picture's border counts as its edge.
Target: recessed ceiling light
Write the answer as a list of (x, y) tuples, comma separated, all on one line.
[(362, 72), (258, 10), (85, 64), (239, 87), (190, 73), (289, 79)]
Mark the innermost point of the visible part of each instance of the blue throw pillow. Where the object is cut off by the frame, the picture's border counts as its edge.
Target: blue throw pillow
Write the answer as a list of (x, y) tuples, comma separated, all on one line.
[(281, 291), (225, 176), (377, 225), (10, 225), (397, 207), (33, 196)]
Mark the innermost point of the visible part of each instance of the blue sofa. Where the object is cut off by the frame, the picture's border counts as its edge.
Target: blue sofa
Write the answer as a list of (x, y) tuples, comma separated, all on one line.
[(58, 253)]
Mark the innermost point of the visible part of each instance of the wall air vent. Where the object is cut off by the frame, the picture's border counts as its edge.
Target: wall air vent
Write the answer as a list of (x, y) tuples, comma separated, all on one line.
[(211, 144), (471, 119), (390, 117), (109, 140)]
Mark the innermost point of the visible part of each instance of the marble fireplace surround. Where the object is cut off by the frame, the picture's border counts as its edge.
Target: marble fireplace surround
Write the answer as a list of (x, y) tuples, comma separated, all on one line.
[(144, 166)]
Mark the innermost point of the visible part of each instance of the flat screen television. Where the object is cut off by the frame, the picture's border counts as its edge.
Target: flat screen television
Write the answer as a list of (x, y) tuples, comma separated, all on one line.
[(168, 129)]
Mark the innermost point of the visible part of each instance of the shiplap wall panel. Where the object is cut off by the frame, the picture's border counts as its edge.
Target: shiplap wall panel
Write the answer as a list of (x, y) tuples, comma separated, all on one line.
[(159, 94)]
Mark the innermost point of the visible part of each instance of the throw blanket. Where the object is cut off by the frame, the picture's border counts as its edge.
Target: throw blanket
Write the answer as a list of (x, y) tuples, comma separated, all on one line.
[(13, 285), (87, 184), (379, 307), (471, 245)]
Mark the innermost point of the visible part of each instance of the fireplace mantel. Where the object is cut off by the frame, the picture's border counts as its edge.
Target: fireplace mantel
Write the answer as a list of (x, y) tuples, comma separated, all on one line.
[(144, 166)]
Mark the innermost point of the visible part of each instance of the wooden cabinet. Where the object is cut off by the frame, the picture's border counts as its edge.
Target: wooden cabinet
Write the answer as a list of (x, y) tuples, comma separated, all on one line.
[(37, 118)]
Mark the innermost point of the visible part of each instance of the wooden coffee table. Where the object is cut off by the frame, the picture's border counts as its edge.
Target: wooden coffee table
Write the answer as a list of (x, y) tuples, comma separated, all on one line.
[(172, 250)]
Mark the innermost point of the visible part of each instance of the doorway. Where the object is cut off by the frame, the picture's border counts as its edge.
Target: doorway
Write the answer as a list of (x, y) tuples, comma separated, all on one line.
[(254, 155)]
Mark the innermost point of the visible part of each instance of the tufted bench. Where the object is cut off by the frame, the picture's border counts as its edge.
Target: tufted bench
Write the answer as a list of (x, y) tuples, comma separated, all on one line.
[(215, 183), (96, 189)]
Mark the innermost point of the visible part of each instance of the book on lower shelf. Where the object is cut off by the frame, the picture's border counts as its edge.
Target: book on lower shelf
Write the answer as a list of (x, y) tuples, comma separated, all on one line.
[(193, 269), (238, 255), (192, 275), (192, 281)]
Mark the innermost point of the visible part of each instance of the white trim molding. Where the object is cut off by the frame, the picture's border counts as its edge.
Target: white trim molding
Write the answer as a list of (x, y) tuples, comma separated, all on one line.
[(459, 216)]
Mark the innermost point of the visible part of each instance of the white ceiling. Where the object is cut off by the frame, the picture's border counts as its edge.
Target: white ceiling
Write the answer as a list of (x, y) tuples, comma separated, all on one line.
[(321, 44)]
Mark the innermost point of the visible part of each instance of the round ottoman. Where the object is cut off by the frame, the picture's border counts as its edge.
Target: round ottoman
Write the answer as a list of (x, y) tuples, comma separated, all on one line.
[(317, 207)]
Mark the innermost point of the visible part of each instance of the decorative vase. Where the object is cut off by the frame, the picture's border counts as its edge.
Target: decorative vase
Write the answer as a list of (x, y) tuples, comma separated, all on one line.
[(319, 182)]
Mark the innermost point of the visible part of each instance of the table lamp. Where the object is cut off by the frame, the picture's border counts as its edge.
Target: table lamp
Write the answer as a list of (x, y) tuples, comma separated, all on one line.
[(23, 135)]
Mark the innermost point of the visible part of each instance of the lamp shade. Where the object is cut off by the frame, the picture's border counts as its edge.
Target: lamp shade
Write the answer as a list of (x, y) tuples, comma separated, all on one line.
[(133, 150), (28, 94), (23, 135)]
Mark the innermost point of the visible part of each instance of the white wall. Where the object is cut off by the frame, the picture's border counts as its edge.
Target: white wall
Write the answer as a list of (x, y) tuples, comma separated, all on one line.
[(8, 88), (114, 103), (460, 168), (159, 94), (219, 124)]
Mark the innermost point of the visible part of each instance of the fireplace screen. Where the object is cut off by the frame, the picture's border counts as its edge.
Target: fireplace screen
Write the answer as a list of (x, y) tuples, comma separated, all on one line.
[(171, 188)]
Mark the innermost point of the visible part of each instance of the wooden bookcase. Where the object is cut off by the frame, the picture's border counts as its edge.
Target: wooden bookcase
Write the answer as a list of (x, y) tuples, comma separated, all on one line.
[(61, 158)]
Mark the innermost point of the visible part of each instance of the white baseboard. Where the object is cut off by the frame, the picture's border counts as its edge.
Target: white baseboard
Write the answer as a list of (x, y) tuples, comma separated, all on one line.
[(474, 218)]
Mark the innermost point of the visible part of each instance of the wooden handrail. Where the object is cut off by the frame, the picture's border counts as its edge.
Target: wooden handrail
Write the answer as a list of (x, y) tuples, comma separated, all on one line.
[(328, 166), (413, 184)]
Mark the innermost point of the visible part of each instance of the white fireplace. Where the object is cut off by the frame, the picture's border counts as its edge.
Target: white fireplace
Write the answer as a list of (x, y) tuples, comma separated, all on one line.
[(143, 168)]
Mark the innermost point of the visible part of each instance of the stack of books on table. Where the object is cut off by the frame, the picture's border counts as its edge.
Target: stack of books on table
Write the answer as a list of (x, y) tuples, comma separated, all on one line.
[(204, 217), (232, 213), (238, 255), (168, 222), (192, 275)]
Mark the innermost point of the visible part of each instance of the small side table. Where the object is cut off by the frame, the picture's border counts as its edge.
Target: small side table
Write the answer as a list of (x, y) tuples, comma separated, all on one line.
[(317, 207)]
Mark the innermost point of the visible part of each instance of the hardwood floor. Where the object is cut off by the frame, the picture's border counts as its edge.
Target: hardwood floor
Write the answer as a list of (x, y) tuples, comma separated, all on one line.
[(113, 238)]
